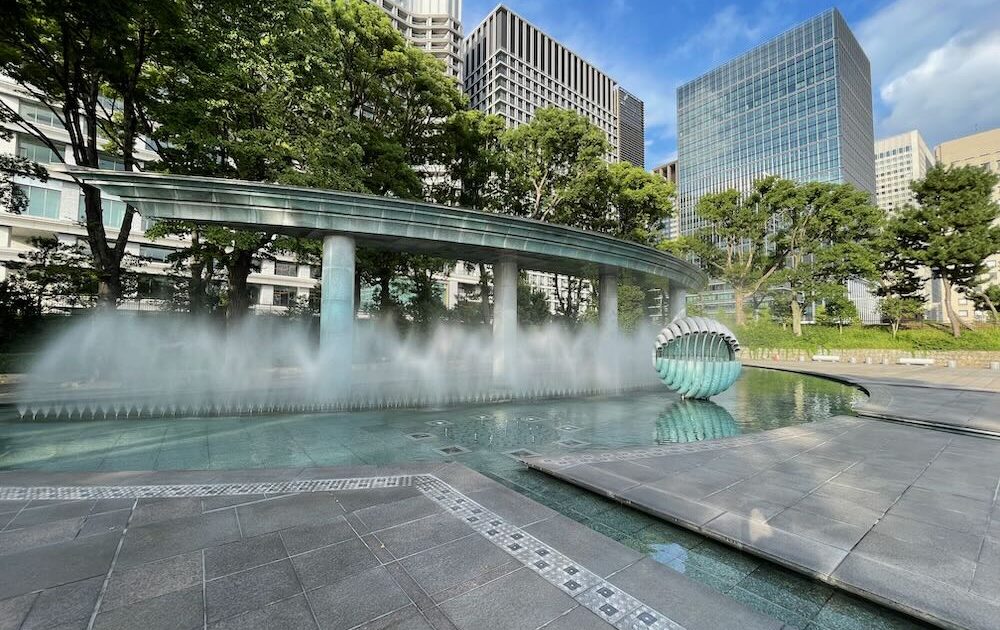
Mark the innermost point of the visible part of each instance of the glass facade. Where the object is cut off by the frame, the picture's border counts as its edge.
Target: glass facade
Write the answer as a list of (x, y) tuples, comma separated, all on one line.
[(798, 106)]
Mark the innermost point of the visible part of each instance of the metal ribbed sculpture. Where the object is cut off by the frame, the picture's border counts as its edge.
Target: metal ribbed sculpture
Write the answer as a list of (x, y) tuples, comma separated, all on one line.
[(697, 357)]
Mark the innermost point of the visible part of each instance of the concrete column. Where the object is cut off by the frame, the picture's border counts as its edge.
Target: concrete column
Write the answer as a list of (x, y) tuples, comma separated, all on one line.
[(608, 308), (504, 319), (336, 317), (678, 301)]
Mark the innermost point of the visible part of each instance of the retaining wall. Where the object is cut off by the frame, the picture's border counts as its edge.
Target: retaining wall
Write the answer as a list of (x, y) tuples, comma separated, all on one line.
[(962, 358)]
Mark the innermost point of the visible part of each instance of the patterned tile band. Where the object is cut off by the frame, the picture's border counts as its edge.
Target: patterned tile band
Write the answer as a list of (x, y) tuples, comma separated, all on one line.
[(598, 595)]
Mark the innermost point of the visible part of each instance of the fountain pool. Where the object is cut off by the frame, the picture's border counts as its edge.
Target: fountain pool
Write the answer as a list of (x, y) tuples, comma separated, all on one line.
[(487, 437)]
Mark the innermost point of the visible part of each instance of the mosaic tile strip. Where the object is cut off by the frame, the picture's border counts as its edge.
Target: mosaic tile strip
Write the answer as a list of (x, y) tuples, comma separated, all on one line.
[(589, 589), (776, 435), (601, 597), (69, 493)]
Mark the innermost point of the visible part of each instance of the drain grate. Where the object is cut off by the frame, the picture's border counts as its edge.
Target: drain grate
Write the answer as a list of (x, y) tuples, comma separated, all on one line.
[(454, 449), (520, 453)]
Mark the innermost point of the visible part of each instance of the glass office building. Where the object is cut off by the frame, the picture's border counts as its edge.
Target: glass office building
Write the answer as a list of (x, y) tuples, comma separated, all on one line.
[(798, 106)]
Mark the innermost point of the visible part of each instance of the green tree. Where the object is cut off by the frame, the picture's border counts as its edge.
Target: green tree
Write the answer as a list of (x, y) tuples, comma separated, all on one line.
[(828, 237), (425, 304), (809, 237), (837, 309), (53, 272), (544, 158), (899, 271), (952, 229), (739, 244), (619, 199), (987, 299), (631, 306), (532, 304), (85, 61), (324, 94), (472, 158), (18, 311), (896, 309)]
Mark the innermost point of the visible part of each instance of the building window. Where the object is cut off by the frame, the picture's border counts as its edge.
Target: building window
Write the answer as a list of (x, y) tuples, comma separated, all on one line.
[(289, 269), (284, 296), (114, 212), (38, 114), (110, 164), (158, 254), (42, 202), (36, 152)]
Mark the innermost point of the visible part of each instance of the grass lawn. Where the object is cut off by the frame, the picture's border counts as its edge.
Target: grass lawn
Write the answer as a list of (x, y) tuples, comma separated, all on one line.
[(814, 337)]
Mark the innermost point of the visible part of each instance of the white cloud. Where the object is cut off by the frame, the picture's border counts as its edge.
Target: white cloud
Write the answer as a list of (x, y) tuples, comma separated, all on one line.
[(728, 31), (935, 66), (661, 158), (954, 89)]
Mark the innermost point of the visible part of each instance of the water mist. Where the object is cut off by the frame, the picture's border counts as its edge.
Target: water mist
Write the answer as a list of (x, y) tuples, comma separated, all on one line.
[(121, 365)]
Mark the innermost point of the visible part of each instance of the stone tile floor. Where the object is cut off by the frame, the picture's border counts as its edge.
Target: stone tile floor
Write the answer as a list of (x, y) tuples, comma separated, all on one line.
[(906, 516), (446, 550)]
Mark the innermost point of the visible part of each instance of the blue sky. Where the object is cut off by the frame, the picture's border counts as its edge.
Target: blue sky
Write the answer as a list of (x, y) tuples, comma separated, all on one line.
[(935, 63)]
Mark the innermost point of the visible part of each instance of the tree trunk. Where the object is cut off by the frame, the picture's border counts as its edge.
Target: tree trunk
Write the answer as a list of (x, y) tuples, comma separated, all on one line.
[(796, 318), (239, 268), (107, 268), (738, 298), (196, 283), (895, 327), (993, 308), (357, 292), (384, 296), (953, 319), (484, 294)]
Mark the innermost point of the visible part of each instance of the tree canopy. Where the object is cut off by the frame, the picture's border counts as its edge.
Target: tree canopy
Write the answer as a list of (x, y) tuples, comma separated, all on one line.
[(804, 239), (951, 229)]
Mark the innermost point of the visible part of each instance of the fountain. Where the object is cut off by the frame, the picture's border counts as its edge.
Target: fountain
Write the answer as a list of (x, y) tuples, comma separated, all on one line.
[(120, 365)]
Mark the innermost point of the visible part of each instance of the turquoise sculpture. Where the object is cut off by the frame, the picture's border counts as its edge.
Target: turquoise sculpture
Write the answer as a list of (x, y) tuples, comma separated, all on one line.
[(697, 357)]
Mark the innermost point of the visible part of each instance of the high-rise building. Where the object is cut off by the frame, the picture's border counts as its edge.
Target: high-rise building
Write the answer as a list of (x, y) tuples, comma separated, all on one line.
[(512, 68), (798, 106), (631, 129), (668, 171), (434, 26), (983, 150), (899, 160)]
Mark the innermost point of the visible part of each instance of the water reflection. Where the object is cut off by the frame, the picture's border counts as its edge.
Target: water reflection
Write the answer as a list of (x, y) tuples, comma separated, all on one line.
[(694, 420)]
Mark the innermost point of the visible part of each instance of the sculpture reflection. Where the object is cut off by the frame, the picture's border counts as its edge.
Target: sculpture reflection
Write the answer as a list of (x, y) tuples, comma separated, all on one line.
[(693, 421)]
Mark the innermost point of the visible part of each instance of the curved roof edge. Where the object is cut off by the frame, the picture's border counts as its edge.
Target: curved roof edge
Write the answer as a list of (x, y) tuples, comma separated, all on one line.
[(384, 222)]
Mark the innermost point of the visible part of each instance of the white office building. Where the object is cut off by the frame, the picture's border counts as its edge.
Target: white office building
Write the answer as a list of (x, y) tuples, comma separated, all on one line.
[(55, 210), (899, 160), (434, 26)]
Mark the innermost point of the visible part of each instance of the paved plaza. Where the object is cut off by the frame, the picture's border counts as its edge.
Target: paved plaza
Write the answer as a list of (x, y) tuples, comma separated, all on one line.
[(949, 398), (423, 547), (905, 515)]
